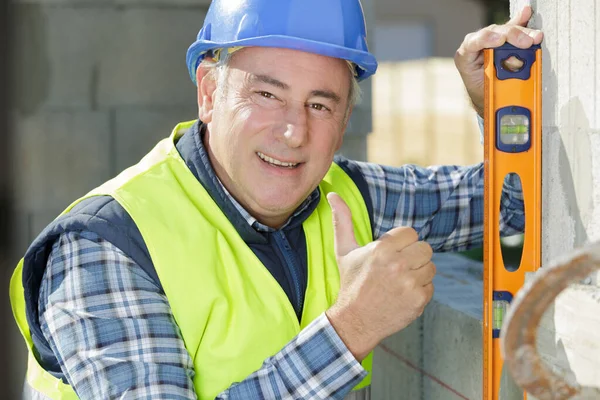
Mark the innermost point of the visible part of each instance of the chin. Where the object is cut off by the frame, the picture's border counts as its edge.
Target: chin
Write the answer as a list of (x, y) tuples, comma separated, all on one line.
[(279, 202)]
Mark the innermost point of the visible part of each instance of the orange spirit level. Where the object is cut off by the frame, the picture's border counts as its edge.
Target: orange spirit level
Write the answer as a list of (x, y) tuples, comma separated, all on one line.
[(513, 108)]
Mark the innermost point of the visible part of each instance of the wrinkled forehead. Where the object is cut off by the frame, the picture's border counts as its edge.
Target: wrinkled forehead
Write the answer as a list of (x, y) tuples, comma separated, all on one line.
[(220, 55)]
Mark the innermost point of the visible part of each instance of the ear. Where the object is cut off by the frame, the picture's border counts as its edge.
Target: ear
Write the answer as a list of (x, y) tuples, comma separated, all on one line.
[(206, 90)]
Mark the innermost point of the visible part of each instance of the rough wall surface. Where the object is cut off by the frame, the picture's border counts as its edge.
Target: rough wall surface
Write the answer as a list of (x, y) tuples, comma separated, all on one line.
[(96, 84), (571, 175), (571, 122)]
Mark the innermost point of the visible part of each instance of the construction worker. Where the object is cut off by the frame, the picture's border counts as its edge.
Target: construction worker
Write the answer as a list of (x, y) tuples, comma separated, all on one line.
[(238, 259)]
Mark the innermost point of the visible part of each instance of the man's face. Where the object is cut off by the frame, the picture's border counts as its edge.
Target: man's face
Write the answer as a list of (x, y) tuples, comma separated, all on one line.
[(274, 125)]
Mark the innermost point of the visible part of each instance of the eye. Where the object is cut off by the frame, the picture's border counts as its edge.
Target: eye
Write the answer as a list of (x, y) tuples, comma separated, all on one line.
[(319, 107), (266, 95)]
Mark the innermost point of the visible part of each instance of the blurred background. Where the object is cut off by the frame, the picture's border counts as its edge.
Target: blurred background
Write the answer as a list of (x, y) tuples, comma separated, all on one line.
[(89, 86)]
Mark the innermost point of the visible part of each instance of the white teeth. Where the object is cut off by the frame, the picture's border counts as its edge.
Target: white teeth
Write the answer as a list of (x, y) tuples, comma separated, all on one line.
[(276, 162)]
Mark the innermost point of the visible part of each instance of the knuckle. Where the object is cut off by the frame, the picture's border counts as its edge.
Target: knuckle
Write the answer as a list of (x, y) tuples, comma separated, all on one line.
[(468, 37), (433, 268), (516, 31), (457, 55), (403, 263), (527, 31), (427, 249), (425, 297), (398, 267), (426, 301), (378, 247), (409, 283), (410, 234)]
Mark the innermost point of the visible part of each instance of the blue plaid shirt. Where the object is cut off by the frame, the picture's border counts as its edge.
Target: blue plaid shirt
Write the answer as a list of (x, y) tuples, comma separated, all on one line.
[(114, 335)]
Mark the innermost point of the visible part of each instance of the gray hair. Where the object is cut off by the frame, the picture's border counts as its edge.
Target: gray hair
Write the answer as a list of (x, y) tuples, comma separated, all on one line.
[(219, 70)]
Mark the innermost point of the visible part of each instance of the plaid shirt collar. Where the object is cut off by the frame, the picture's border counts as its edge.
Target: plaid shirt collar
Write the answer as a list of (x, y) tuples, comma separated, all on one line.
[(313, 198)]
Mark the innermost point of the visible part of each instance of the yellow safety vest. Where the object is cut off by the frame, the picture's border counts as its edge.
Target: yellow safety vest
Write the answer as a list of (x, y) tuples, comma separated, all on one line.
[(231, 312)]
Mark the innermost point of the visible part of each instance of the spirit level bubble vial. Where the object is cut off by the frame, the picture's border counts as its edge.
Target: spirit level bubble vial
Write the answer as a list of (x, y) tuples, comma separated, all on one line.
[(513, 108)]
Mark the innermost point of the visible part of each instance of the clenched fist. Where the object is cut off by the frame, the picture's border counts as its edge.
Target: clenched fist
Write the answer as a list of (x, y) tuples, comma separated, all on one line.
[(384, 286)]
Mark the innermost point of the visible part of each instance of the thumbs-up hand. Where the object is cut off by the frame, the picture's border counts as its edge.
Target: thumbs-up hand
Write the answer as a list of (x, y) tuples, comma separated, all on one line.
[(384, 286)]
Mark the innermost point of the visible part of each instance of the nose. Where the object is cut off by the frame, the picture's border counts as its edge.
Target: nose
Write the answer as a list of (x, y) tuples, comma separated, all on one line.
[(295, 132)]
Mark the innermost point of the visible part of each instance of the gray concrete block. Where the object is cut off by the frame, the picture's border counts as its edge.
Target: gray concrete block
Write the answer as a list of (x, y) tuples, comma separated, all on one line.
[(394, 379), (129, 3), (169, 3), (452, 341), (139, 129), (27, 225), (452, 354), (145, 62), (458, 283), (99, 57), (59, 157), (397, 365), (407, 344), (58, 53), (17, 358)]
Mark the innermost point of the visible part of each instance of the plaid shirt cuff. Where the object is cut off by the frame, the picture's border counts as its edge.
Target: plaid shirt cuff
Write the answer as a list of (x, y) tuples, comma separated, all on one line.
[(315, 364)]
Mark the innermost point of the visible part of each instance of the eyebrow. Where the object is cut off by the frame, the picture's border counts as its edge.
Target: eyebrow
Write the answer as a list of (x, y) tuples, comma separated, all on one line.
[(269, 80), (328, 94)]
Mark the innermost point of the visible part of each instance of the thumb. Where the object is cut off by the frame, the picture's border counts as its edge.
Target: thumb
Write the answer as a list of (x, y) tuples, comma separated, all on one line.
[(343, 230)]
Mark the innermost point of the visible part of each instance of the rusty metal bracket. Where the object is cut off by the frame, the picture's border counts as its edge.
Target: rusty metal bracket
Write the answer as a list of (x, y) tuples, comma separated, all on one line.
[(520, 327)]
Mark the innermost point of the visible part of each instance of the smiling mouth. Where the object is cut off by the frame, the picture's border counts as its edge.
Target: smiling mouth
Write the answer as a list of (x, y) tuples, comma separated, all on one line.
[(276, 163)]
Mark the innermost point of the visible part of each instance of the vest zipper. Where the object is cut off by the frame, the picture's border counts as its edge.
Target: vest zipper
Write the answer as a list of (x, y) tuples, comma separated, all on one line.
[(292, 265)]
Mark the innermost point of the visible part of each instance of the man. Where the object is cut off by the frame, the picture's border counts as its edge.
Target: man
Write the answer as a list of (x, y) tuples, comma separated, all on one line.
[(237, 260)]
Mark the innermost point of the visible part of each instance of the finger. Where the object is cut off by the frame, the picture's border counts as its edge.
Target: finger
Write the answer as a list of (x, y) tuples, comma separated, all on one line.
[(512, 64), (399, 238), (429, 289), (343, 230), (421, 253), (497, 35), (516, 35), (424, 275), (522, 17), (413, 256), (475, 42)]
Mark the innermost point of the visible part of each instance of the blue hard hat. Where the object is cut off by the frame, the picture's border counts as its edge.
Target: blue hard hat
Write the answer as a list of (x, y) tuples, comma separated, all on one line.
[(334, 28)]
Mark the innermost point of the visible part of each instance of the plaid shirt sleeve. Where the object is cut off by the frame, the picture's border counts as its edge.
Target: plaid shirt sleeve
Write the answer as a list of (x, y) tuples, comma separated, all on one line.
[(444, 204), (113, 333)]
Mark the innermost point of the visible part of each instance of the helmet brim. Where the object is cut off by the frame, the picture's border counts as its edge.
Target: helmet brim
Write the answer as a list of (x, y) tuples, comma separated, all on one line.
[(365, 61)]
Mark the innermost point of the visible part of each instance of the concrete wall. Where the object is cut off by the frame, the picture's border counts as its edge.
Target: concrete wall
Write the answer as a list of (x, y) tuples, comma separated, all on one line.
[(571, 122), (92, 80), (571, 176), (95, 85)]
